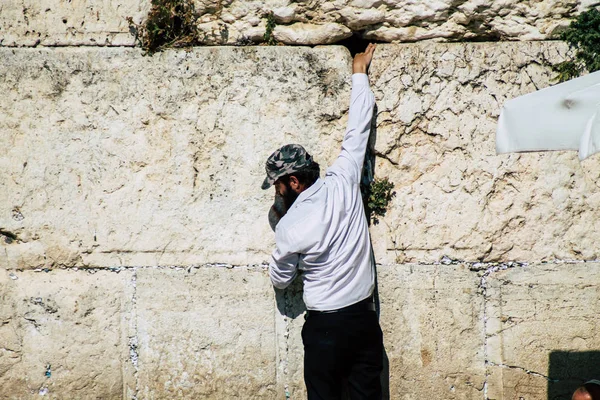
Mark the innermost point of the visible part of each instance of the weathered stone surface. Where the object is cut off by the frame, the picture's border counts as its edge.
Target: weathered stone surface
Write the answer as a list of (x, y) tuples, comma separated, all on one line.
[(432, 322), (438, 106), (69, 23), (431, 317), (206, 333), (65, 335), (309, 34), (536, 316), (111, 158), (117, 159), (53, 22)]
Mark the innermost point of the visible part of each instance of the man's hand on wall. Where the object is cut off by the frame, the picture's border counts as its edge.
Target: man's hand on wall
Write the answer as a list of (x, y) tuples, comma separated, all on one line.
[(361, 61)]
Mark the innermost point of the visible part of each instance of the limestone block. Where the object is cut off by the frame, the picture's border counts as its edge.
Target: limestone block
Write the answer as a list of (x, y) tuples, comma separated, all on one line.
[(66, 334), (284, 14), (438, 106), (537, 316), (311, 34), (102, 23), (115, 159), (432, 322), (69, 23), (206, 333), (118, 159)]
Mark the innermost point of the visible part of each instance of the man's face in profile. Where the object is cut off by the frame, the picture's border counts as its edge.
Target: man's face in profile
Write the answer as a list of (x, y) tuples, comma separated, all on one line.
[(285, 191)]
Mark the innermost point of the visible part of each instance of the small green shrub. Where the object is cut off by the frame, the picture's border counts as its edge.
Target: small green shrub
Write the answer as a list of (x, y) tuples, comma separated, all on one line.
[(583, 36), (379, 194), (170, 23), (271, 24)]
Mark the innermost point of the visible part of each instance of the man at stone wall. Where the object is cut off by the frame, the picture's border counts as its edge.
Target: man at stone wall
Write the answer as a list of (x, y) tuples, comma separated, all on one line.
[(323, 237)]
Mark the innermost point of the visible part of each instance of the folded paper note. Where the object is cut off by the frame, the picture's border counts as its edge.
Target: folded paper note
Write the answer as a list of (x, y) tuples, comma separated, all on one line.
[(560, 117)]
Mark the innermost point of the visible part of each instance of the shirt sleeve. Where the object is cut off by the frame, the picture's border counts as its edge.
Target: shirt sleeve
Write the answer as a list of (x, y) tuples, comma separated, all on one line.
[(362, 102), (283, 267)]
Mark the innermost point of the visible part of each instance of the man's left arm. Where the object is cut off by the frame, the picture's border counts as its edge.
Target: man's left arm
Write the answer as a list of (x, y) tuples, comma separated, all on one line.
[(283, 267)]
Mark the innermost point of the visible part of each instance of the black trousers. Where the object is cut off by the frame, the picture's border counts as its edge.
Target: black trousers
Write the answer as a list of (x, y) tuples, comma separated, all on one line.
[(343, 352)]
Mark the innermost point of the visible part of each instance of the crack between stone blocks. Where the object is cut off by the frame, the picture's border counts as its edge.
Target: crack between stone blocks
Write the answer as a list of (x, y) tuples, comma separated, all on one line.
[(483, 286), (117, 269), (475, 266), (133, 340), (286, 335), (529, 372)]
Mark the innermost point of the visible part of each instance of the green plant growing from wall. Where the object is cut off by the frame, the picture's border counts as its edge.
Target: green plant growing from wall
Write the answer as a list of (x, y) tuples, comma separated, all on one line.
[(378, 195), (271, 24), (583, 36), (170, 23)]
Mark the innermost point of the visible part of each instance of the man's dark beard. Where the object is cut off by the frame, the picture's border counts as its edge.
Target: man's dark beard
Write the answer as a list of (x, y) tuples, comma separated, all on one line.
[(289, 197)]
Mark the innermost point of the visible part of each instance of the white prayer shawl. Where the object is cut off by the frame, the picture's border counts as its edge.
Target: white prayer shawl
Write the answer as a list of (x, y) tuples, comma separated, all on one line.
[(560, 117)]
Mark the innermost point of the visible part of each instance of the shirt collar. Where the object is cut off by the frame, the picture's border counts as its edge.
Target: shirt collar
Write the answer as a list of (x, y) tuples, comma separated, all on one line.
[(310, 191)]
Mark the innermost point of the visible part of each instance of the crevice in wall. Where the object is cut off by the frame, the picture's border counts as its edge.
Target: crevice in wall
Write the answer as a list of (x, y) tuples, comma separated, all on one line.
[(483, 287), (133, 340), (355, 43), (528, 372), (9, 237), (286, 334)]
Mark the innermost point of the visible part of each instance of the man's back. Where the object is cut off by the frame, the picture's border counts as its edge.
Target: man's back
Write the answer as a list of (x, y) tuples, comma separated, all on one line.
[(325, 232)]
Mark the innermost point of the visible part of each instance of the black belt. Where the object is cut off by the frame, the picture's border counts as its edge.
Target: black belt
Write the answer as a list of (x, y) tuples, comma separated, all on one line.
[(363, 305)]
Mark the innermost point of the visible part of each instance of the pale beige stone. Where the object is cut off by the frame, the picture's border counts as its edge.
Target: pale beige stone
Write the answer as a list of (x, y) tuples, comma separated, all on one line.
[(114, 158), (537, 316), (311, 34), (284, 14), (438, 106), (206, 333), (69, 23), (75, 325), (118, 159), (54, 22)]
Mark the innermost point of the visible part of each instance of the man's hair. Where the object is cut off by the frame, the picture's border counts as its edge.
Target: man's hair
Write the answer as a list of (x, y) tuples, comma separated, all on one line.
[(306, 176)]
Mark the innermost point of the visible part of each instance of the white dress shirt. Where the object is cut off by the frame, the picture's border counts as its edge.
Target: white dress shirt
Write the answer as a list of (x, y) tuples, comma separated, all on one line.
[(325, 233)]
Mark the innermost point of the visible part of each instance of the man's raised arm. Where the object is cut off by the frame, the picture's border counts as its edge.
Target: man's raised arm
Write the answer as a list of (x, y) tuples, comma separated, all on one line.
[(362, 102)]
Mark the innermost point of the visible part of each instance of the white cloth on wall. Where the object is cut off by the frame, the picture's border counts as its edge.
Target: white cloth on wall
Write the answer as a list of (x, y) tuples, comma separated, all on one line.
[(560, 117)]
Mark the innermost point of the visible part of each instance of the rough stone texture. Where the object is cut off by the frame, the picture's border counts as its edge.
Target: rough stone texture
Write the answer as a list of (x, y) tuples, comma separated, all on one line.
[(54, 22), (69, 23), (431, 317), (112, 158), (73, 325), (437, 114), (206, 333), (117, 159), (311, 34), (534, 312), (432, 322)]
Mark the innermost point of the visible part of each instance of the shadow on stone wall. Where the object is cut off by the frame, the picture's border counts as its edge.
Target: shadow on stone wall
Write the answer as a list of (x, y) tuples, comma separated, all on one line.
[(568, 370), (368, 175)]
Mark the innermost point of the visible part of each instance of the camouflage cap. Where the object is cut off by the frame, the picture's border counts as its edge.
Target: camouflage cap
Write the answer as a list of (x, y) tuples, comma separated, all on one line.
[(285, 160)]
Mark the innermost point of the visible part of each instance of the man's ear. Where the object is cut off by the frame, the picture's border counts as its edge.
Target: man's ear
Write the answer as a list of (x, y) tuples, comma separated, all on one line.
[(295, 184)]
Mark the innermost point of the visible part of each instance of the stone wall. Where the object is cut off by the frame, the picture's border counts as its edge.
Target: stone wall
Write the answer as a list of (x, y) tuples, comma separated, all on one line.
[(134, 236), (229, 22)]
